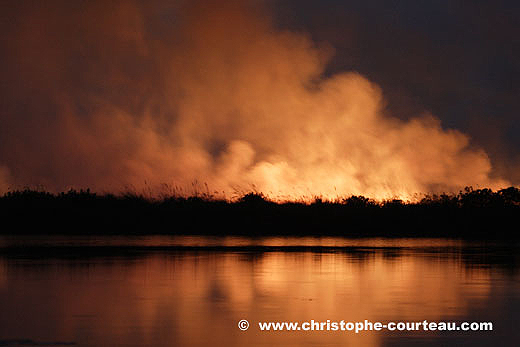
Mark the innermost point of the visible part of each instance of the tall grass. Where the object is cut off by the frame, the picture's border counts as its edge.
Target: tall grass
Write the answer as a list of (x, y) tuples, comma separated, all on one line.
[(470, 213)]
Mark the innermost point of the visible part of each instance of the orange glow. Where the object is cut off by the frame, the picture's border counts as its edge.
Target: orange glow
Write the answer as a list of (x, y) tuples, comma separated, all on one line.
[(195, 298), (236, 104)]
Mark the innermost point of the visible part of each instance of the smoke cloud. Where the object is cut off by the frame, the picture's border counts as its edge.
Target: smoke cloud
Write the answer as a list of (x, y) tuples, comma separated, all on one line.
[(4, 179), (107, 94)]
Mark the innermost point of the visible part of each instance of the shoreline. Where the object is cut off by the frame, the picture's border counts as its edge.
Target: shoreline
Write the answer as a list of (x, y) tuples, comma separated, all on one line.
[(473, 214)]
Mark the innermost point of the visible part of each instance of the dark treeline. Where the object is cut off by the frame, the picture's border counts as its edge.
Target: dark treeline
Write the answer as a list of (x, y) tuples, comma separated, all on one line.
[(480, 213)]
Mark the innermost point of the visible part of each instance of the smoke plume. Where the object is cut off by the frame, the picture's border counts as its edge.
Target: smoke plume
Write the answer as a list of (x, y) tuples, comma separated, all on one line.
[(108, 94)]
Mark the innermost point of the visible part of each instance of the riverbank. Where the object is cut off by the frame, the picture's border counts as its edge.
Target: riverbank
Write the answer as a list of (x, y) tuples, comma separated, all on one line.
[(470, 214)]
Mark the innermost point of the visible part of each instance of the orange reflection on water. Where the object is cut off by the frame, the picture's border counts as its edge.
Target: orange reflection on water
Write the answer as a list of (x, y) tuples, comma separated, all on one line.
[(197, 297)]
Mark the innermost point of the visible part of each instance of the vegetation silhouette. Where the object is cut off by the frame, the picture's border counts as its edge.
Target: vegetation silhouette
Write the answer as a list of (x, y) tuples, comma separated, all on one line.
[(479, 214)]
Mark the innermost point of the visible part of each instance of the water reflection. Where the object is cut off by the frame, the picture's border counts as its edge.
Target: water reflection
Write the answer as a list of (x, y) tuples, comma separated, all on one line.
[(196, 297), (226, 241)]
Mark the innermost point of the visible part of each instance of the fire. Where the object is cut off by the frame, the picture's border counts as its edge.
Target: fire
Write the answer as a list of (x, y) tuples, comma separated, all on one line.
[(223, 97)]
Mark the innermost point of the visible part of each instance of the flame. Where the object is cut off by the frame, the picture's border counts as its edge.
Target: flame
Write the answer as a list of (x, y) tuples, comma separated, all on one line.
[(219, 96)]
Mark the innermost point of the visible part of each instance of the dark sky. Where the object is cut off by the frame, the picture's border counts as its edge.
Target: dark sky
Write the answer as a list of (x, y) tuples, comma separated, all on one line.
[(96, 92), (459, 60)]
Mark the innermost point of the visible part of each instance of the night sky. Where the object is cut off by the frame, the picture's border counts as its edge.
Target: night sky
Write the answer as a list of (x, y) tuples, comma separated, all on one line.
[(108, 93), (459, 60)]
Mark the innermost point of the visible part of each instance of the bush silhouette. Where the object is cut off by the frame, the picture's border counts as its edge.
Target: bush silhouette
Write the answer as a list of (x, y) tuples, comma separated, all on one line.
[(479, 213)]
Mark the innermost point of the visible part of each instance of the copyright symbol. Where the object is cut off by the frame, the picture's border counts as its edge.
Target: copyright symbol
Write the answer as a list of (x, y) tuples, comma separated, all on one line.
[(243, 325)]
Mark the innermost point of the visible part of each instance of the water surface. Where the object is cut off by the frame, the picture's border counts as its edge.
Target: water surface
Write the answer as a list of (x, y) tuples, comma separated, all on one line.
[(192, 291)]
